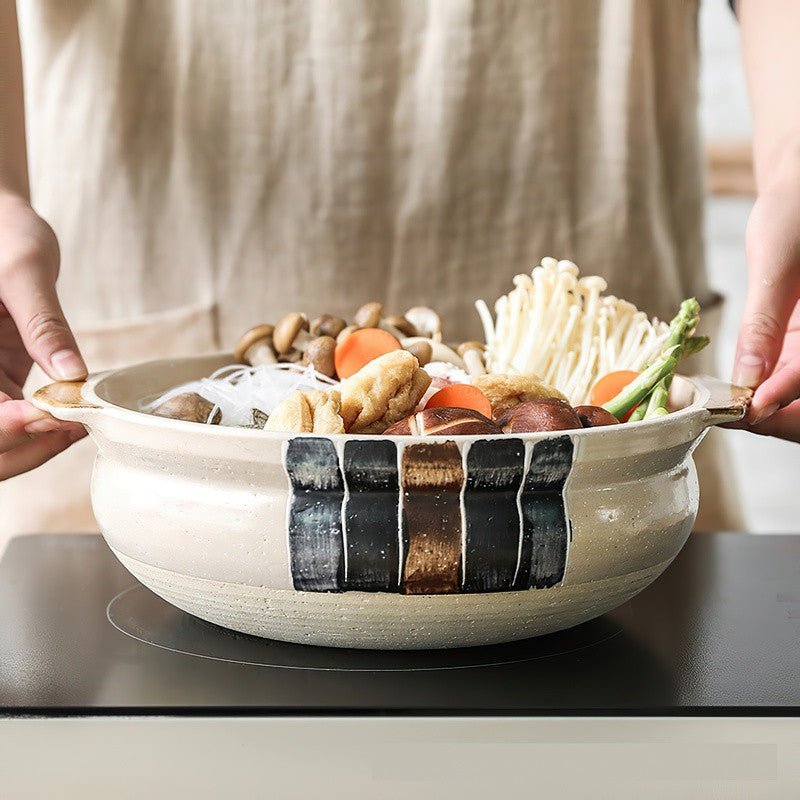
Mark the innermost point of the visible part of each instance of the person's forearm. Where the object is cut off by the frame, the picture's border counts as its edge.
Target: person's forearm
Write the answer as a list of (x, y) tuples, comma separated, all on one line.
[(768, 350), (770, 31), (13, 154)]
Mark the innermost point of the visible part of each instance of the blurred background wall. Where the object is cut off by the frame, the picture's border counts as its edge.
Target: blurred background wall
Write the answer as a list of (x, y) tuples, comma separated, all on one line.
[(767, 469)]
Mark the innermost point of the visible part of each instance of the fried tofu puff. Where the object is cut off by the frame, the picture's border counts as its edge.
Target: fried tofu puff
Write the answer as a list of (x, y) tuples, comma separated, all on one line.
[(314, 411), (506, 391), (382, 392)]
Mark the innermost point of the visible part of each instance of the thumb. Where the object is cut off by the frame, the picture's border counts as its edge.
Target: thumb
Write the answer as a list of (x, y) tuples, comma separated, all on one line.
[(767, 312), (31, 300)]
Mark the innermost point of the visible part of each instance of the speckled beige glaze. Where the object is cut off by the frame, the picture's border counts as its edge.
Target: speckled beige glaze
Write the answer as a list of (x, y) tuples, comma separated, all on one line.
[(198, 514), (391, 621)]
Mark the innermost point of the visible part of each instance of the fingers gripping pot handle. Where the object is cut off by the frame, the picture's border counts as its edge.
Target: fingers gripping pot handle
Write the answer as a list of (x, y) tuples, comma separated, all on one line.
[(67, 400), (724, 402)]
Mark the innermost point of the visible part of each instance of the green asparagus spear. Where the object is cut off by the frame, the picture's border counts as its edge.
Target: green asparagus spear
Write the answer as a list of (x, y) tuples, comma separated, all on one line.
[(658, 398), (680, 344), (681, 326), (694, 344), (684, 323), (638, 389)]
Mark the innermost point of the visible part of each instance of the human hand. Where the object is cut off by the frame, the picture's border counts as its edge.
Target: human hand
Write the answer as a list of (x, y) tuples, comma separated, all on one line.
[(32, 328), (29, 437), (768, 351)]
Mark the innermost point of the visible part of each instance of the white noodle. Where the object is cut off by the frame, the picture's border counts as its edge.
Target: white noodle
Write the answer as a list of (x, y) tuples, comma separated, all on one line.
[(236, 390)]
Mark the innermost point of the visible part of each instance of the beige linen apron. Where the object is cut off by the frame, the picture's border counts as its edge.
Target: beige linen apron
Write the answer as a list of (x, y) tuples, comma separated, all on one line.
[(209, 165)]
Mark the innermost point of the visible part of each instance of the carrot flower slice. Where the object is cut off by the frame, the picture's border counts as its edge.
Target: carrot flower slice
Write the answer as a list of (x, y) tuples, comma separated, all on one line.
[(361, 347), (461, 395)]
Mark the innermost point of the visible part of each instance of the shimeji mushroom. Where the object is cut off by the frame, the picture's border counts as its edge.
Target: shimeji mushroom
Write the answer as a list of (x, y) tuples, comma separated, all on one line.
[(345, 332), (319, 354), (422, 350), (291, 333), (327, 325), (255, 347), (401, 324), (472, 353), (370, 315), (439, 351), (426, 321)]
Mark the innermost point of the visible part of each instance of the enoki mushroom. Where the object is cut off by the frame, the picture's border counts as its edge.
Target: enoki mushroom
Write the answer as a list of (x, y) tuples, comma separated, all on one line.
[(563, 329)]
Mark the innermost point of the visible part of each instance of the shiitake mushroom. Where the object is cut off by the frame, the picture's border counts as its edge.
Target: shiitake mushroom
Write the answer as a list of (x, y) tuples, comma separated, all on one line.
[(595, 416), (444, 422), (544, 414), (533, 416), (188, 406)]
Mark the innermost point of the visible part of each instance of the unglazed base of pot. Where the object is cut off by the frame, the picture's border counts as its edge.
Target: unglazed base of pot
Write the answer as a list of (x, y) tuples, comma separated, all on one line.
[(383, 621)]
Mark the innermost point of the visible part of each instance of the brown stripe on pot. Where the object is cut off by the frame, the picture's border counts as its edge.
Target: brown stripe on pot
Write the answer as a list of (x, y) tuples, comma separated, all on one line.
[(432, 476), (371, 511), (492, 519), (545, 524), (314, 516)]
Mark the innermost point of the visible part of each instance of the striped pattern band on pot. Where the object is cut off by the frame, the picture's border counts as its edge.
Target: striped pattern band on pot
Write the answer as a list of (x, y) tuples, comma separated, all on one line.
[(430, 518)]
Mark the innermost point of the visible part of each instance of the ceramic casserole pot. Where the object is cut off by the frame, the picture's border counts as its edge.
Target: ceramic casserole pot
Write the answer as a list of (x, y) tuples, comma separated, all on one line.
[(388, 542)]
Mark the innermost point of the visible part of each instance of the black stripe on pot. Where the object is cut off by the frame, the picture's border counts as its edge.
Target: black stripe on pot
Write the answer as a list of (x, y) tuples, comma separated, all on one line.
[(432, 477), (316, 548), (492, 519), (371, 516), (545, 527)]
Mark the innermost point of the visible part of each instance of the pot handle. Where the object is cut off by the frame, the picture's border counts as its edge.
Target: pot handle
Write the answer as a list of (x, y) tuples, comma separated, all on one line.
[(64, 400), (723, 401)]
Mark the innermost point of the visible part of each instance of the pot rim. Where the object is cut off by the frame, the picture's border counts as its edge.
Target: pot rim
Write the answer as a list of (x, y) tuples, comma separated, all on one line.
[(715, 402)]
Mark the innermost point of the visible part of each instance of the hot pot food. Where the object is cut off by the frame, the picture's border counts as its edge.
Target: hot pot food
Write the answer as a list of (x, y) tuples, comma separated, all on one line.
[(400, 492)]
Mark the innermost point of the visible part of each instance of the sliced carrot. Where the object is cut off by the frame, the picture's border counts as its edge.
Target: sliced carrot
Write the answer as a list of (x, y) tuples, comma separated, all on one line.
[(610, 385), (361, 347), (461, 395)]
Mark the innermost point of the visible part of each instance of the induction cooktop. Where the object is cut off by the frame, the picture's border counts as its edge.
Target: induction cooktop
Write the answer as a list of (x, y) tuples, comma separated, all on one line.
[(717, 634)]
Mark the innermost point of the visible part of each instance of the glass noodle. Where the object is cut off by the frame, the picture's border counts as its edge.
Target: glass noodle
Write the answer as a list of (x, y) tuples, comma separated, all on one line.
[(236, 390)]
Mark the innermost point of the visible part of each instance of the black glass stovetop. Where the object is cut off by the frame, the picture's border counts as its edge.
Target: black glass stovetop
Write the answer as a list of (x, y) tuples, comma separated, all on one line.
[(718, 633)]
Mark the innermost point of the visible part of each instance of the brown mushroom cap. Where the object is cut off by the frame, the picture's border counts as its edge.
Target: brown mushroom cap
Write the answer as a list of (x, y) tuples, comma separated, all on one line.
[(319, 354), (595, 416), (406, 327), (253, 336), (286, 332), (345, 332), (422, 350), (445, 422), (369, 315), (465, 348), (426, 321), (543, 414), (189, 406), (327, 325)]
